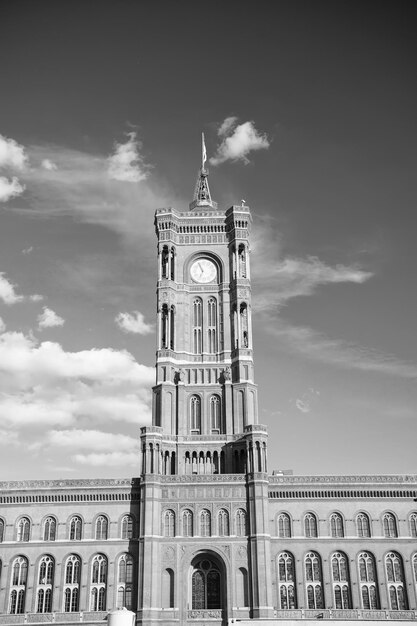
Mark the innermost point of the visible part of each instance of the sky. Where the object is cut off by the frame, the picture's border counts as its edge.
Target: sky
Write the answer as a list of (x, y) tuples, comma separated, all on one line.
[(309, 113)]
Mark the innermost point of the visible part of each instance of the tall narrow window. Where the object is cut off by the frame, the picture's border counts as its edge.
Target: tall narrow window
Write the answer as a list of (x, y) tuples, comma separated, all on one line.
[(341, 581), (414, 566), (49, 529), (283, 525), (241, 523), (165, 327), (172, 327), (206, 586), (127, 527), (164, 262), (169, 523), (310, 525), (286, 581), (125, 582), (215, 414), (187, 523), (197, 331), (45, 585), (336, 525), (18, 586), (223, 523), (98, 583), (413, 525), (396, 584), (368, 581), (314, 581), (242, 595), (72, 584), (172, 263), (242, 261), (244, 326), (168, 589), (390, 525), (205, 523), (102, 527), (212, 325), (363, 525), (23, 529), (195, 415), (1, 530), (75, 528)]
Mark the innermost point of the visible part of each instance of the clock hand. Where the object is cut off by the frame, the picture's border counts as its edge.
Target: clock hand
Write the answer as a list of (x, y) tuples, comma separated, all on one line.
[(201, 269)]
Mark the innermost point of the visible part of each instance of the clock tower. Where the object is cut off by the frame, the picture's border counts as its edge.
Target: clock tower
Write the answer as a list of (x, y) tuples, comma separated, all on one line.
[(204, 459)]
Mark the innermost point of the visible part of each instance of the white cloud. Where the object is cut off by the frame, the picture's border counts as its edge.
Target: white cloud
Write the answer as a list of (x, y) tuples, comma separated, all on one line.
[(92, 440), (8, 438), (35, 297), (12, 154), (238, 141), (41, 385), (8, 291), (27, 250), (339, 353), (49, 165), (2, 326), (302, 406), (133, 323), (109, 459), (126, 164), (49, 319), (10, 188)]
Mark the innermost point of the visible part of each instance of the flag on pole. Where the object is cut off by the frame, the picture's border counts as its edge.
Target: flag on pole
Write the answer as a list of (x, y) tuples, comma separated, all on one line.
[(203, 151)]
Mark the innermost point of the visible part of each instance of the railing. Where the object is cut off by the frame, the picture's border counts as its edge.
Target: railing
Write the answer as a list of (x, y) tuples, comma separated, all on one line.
[(55, 618), (344, 614), (205, 614)]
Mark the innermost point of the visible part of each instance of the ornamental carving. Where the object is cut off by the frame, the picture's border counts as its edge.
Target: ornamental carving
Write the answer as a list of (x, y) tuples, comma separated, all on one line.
[(169, 553)]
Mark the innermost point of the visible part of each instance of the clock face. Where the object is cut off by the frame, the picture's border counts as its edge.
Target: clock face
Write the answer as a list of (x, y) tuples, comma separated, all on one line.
[(203, 271)]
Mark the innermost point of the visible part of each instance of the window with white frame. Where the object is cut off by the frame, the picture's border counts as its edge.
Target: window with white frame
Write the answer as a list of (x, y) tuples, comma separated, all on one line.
[(286, 581), (125, 582), (49, 529), (283, 525), (241, 523), (127, 527), (223, 523), (310, 525), (102, 527), (45, 585), (313, 581), (23, 529), (394, 571), (19, 574), (363, 525), (368, 581), (169, 523), (72, 584), (205, 523), (98, 583), (75, 528), (336, 525), (390, 525), (413, 524), (341, 581)]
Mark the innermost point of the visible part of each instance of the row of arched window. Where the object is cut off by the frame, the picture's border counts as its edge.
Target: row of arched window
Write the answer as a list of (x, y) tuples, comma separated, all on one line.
[(45, 580), (337, 525), (341, 581), (23, 528), (203, 524)]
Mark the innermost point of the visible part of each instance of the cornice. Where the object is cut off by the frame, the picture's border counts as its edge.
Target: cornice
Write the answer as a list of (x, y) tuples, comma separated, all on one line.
[(388, 479)]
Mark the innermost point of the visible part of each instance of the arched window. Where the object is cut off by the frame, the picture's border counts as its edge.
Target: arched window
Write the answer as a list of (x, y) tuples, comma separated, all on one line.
[(283, 525), (396, 584), (242, 261), (127, 527), (341, 581), (187, 523), (102, 527), (98, 583), (206, 585), (205, 523), (125, 582), (314, 581), (172, 327), (197, 330), (23, 529), (215, 414), (211, 325), (165, 262), (242, 594), (75, 528), (1, 529), (286, 581), (223, 523), (168, 589), (72, 584), (45, 585), (310, 525), (19, 574), (169, 523), (414, 566), (244, 326), (368, 581), (241, 523), (336, 525), (413, 525), (49, 529), (363, 525), (390, 525), (195, 415), (172, 263)]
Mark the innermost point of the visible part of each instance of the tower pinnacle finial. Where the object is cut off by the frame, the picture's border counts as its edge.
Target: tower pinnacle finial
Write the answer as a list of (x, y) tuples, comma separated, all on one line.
[(202, 197)]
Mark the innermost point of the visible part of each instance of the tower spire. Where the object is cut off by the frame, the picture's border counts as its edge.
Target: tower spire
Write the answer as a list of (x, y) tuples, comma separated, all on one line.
[(202, 196)]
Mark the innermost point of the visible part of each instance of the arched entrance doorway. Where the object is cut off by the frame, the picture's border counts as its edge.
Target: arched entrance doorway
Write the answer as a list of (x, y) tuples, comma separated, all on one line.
[(207, 597)]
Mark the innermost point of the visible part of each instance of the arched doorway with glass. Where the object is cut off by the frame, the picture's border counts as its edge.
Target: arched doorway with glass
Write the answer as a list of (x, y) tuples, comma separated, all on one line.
[(207, 595)]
